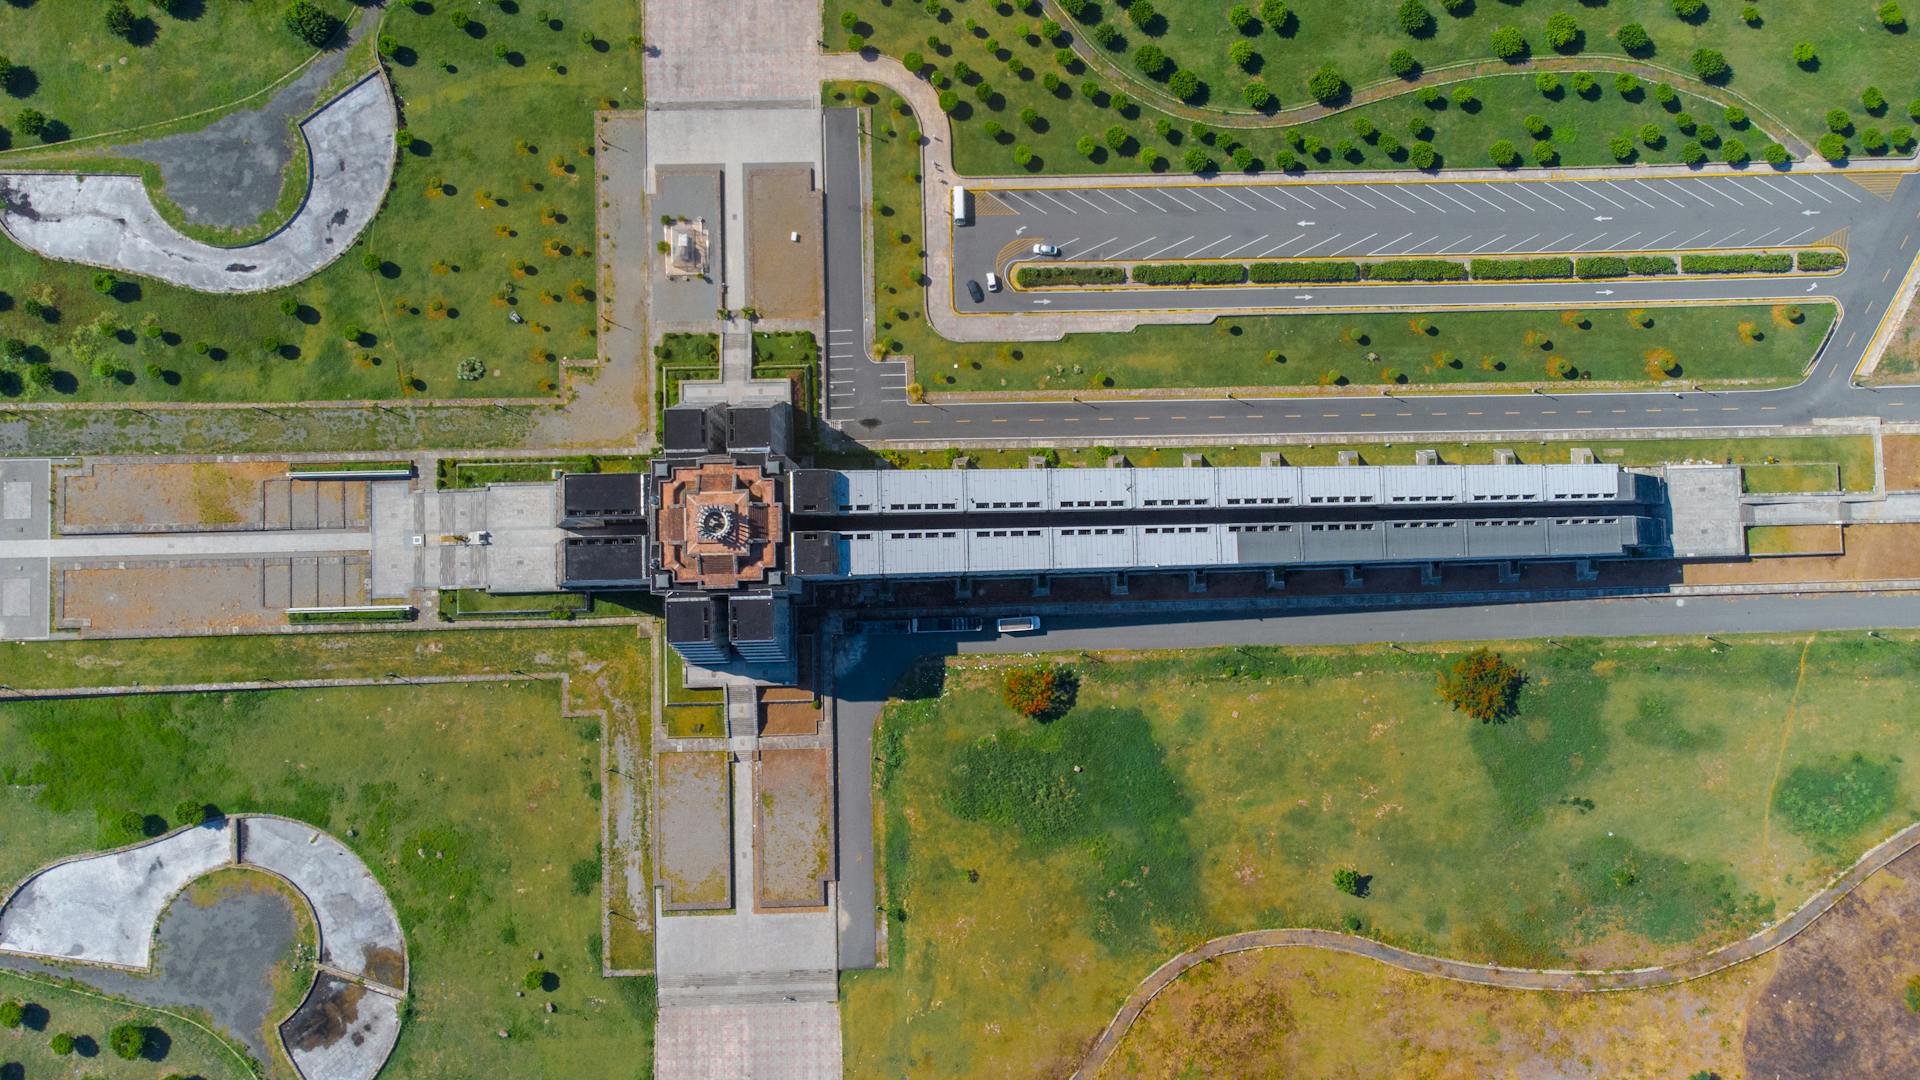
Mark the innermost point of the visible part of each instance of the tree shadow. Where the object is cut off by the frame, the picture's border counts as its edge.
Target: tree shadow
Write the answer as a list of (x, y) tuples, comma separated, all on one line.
[(159, 1045), (308, 314), (188, 10), (404, 55), (143, 32), (126, 292), (85, 1046), (34, 1017), (22, 81)]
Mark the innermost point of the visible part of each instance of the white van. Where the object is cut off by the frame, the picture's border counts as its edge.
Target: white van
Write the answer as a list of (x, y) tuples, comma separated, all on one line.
[(1019, 624), (993, 283)]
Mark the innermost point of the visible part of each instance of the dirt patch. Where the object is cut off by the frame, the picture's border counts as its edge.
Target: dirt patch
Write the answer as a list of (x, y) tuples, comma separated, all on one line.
[(1836, 1005), (1901, 457), (789, 718), (128, 496), (386, 966), (1873, 553), (1901, 362), (793, 804), (326, 1017), (783, 274), (696, 846), (159, 596)]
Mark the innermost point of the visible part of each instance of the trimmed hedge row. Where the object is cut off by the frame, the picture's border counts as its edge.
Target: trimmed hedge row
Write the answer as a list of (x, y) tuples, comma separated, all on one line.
[(1736, 264), (1070, 275), (1191, 274), (1821, 260), (1611, 266), (1416, 270), (1268, 273), (1555, 266)]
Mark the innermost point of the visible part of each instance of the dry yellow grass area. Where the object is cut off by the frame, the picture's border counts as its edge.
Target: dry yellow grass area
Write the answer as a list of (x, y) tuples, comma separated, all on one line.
[(1901, 362), (1302, 1012), (1873, 553), (167, 493), (1795, 540), (1901, 459)]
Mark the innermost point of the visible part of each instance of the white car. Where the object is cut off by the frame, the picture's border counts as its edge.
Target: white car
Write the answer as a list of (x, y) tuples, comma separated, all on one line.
[(993, 283), (1019, 624), (1045, 249)]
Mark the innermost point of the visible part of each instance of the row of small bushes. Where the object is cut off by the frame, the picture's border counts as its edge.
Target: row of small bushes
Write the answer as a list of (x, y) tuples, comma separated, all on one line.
[(1270, 273), (1546, 266), (1736, 264), (1191, 274), (1813, 261), (1610, 266), (1070, 275), (1415, 270), (396, 613)]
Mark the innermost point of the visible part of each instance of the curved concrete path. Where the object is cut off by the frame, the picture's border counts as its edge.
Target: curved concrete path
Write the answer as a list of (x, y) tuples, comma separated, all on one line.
[(109, 221), (1510, 978), (105, 909)]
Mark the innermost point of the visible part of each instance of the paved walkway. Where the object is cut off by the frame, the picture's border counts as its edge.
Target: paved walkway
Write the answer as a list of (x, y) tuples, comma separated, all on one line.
[(1765, 941), (188, 545), (109, 221)]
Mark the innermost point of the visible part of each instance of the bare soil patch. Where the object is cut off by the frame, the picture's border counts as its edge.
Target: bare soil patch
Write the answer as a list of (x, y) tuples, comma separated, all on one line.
[(1836, 1007), (1873, 553), (159, 596), (696, 846), (133, 496), (783, 274), (1901, 455), (793, 801)]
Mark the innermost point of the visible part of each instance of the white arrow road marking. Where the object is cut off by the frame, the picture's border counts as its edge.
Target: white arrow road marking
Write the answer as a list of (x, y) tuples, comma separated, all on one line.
[(1304, 224), (1808, 213), (1303, 296), (1601, 217), (1813, 286), (1020, 230), (1043, 301), (1603, 292)]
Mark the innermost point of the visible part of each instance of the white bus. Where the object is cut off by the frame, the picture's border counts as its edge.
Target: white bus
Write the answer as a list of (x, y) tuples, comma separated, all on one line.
[(959, 206)]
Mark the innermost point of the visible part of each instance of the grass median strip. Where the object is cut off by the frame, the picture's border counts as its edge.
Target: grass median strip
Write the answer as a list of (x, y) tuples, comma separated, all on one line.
[(1338, 271)]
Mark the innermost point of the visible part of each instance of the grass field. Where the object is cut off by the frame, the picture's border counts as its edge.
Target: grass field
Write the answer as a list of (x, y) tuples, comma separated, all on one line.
[(496, 788), (1714, 345), (1651, 799), (191, 1050), (1004, 52), (1852, 454), (1793, 539), (491, 211), (91, 81)]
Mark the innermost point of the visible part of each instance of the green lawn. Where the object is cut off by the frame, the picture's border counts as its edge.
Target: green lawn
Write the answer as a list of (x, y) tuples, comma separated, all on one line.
[(457, 473), (792, 355), (1650, 799), (191, 1050), (91, 81), (510, 227), (1453, 347), (1853, 51), (496, 787), (1852, 454)]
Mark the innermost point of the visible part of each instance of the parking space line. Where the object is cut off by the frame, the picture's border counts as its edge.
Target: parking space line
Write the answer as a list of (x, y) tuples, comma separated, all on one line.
[(1538, 194), (1255, 192), (1594, 191), (1727, 237), (1472, 189), (1421, 244), (1798, 235), (1521, 244), (1554, 244), (1392, 200), (1196, 251), (1355, 244), (1588, 246), (1130, 247), (1689, 240), (1447, 195), (1689, 192), (1621, 244), (1179, 200), (1647, 186), (1787, 195), (1795, 181), (1390, 243), (1495, 240), (1198, 194), (1737, 200), (1831, 183), (1350, 193), (1412, 194), (1316, 244), (1230, 195), (1169, 247), (1096, 247), (1328, 198), (1107, 195), (1628, 194), (1271, 250), (1229, 252), (1011, 194), (1654, 244), (1756, 241), (1751, 192), (1571, 195), (1062, 203), (1086, 200)]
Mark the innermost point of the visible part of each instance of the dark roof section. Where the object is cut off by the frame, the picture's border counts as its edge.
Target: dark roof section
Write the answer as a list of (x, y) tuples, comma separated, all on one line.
[(604, 560), (752, 618), (816, 491), (604, 496), (695, 429), (816, 554), (761, 427), (692, 618)]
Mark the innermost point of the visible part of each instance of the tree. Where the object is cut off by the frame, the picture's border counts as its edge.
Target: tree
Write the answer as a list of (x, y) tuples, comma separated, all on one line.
[(1833, 146), (1030, 116), (1709, 64), (1119, 102), (1401, 63), (1326, 84), (1873, 100), (12, 350), (12, 1013), (1037, 691), (1023, 155), (1621, 148), (104, 283), (1633, 38), (1775, 155), (1891, 16), (1274, 13), (1838, 120), (1349, 881), (31, 121), (1750, 15), (1243, 159), (129, 1041), (1736, 116), (1364, 128), (1667, 96), (1544, 153), (310, 24), (1197, 161), (1650, 134), (1184, 84), (120, 20), (1257, 94), (949, 101), (1503, 154), (1547, 83), (1483, 685), (1692, 154), (1582, 83), (1689, 10), (1535, 124), (1873, 141), (1415, 19), (1241, 52), (1141, 13), (1509, 43), (1420, 155), (1240, 17), (61, 1044), (1563, 33), (536, 979), (1149, 59), (1803, 54), (1466, 98), (1086, 145)]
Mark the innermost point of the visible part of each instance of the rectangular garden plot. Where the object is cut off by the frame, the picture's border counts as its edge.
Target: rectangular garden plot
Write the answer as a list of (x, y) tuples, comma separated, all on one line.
[(696, 849), (793, 810)]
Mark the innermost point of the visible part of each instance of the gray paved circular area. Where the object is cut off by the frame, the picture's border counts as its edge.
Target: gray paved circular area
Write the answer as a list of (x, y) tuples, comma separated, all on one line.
[(228, 174), (108, 221)]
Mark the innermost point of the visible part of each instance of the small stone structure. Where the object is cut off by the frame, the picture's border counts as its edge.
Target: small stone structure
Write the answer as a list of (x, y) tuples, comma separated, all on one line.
[(687, 248)]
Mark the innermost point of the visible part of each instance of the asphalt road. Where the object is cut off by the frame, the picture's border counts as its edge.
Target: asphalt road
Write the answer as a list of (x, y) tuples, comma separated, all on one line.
[(853, 381), (868, 667), (1883, 241), (1289, 219)]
